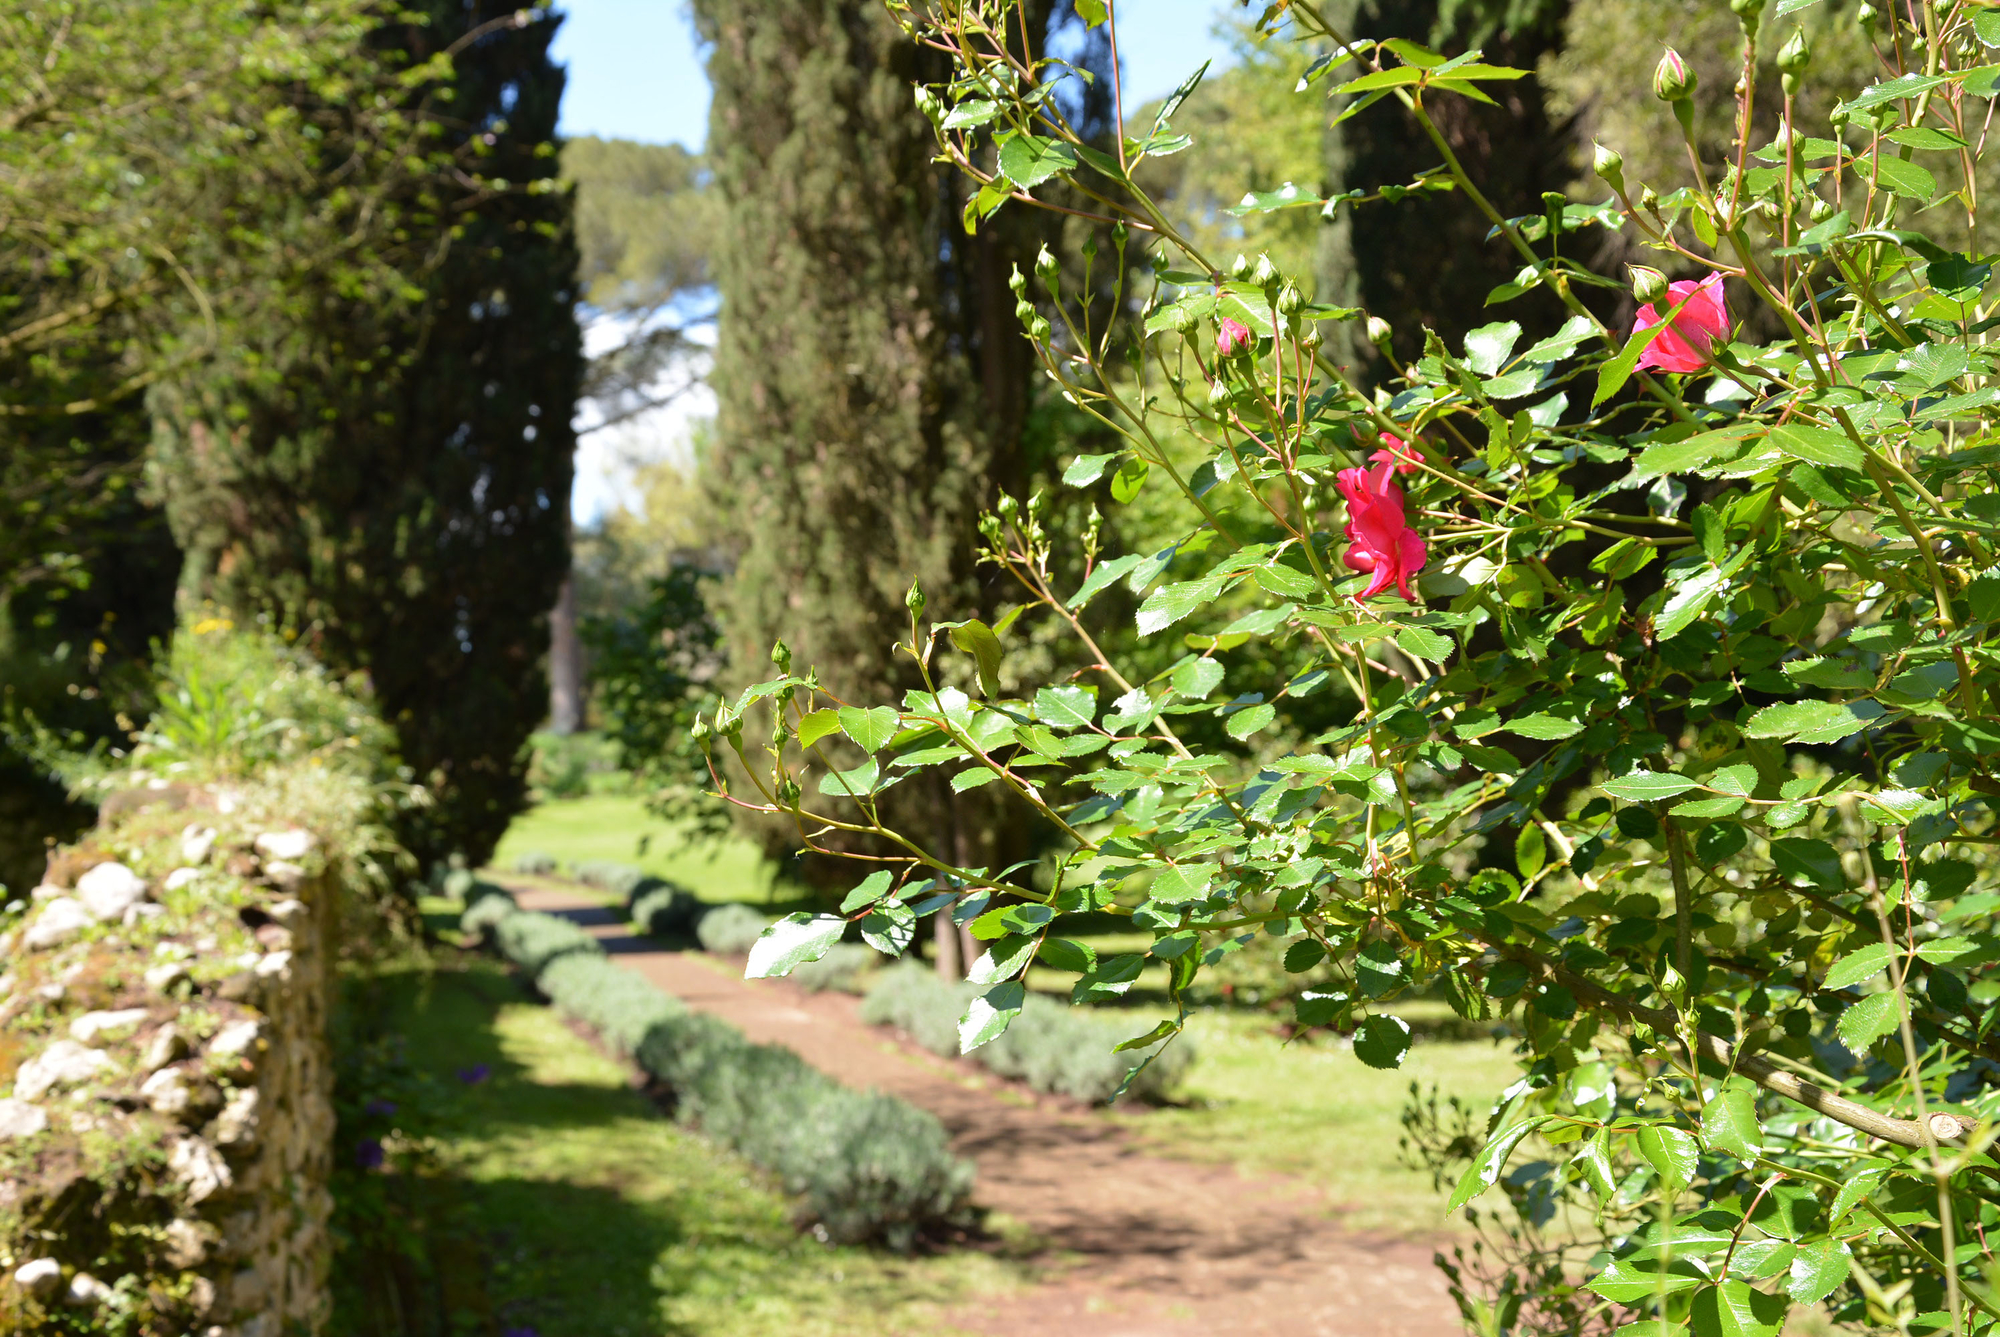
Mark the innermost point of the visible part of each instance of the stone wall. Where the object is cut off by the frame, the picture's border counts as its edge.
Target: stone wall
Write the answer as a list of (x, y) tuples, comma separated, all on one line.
[(166, 1112)]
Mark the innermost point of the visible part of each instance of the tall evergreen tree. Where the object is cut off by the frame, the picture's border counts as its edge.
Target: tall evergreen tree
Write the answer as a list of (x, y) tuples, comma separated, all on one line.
[(873, 383), (391, 480)]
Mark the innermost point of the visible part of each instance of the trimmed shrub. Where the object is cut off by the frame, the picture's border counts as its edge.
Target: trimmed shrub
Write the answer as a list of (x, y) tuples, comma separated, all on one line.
[(842, 969), (865, 1166), (730, 930), (536, 863), (665, 910), (490, 905), (620, 879), (1050, 1047)]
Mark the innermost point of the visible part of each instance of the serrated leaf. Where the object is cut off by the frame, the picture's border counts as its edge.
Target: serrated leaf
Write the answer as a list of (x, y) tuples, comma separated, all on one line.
[(791, 942), (1382, 1041), (1170, 603), (1487, 348), (1379, 970), (977, 639), (1087, 469), (1814, 860), (1942, 951), (1855, 967), (1029, 160), (1818, 1269), (1816, 445), (1634, 1280), (1735, 1309), (889, 928), (1005, 959), (1131, 476), (858, 782), (1182, 883), (1687, 602), (1486, 1166), (1249, 720), (1545, 727), (1867, 1021), (1648, 786), (872, 889), (1855, 1186), (1197, 678), (1111, 977), (1671, 1151), (1425, 643), (988, 1015), (1066, 954), (1068, 707), (1303, 955), (1905, 178), (871, 730), (1807, 721), (1103, 577), (1729, 1122), (820, 724)]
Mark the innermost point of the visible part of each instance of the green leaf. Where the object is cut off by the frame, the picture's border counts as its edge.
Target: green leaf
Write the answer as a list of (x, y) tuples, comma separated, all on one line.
[(1087, 469), (1487, 1165), (1687, 602), (988, 1015), (1816, 445), (1648, 786), (1423, 643), (1066, 954), (1103, 578), (872, 889), (1814, 860), (1734, 1309), (1487, 348), (1028, 161), (791, 942), (1546, 727), (977, 639), (871, 730), (1689, 456), (977, 111), (1303, 955), (1379, 970), (1182, 883), (1382, 1041), (1818, 1269), (1249, 720), (1867, 1021), (1109, 978), (820, 724), (1806, 721), (858, 782), (1635, 1280), (1531, 850), (1092, 12), (1854, 1187), (1066, 707), (1942, 951), (1672, 1151), (1905, 178), (1197, 678), (889, 928), (1855, 967), (1131, 476), (1170, 603), (1594, 1156), (1004, 960), (1612, 375), (1158, 1033), (1729, 1123), (972, 777)]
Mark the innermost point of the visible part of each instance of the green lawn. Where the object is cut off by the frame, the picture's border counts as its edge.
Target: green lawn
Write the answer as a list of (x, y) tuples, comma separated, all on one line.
[(1314, 1111), (617, 827), (593, 1215)]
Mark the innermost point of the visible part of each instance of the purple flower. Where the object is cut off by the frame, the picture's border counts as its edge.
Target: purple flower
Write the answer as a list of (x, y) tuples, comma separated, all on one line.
[(519, 1332), (368, 1154), (475, 1074), (381, 1107)]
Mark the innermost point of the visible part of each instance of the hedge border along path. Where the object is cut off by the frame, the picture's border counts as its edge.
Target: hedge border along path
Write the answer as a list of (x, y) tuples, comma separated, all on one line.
[(866, 1166)]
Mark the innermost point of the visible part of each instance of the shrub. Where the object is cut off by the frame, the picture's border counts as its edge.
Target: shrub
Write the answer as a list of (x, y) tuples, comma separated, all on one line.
[(536, 863), (620, 879), (730, 930), (1050, 1047), (488, 908), (842, 968), (665, 910), (865, 1166)]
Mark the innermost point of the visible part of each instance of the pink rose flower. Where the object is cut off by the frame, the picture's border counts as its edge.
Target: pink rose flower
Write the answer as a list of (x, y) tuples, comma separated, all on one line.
[(1684, 345), (1399, 453), (1230, 336), (1384, 545)]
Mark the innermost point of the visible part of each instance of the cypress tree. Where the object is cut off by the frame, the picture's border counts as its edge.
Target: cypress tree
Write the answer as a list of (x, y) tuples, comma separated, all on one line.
[(390, 479), (872, 382)]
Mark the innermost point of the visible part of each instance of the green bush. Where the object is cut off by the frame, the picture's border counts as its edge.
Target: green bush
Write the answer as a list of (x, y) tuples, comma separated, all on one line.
[(665, 910), (489, 906), (1050, 1047), (730, 930), (620, 879), (536, 863), (866, 1166)]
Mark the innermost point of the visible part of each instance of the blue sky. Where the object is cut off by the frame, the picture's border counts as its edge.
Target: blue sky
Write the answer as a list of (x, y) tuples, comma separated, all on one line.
[(635, 71)]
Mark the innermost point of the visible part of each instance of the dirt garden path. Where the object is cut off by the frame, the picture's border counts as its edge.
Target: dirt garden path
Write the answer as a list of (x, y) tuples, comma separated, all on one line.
[(1160, 1248)]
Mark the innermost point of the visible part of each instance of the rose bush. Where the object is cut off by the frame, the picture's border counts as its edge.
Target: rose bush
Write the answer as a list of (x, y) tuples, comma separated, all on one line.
[(1665, 718)]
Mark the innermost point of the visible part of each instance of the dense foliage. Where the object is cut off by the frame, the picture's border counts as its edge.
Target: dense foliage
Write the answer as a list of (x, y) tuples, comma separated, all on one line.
[(1658, 660)]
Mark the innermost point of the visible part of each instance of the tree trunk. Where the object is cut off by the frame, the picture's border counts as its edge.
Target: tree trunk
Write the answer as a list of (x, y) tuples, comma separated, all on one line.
[(945, 937), (565, 663)]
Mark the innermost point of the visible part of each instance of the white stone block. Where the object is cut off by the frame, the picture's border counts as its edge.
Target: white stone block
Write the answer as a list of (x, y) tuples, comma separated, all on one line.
[(91, 1025), (60, 920), (20, 1119), (64, 1063), (109, 890)]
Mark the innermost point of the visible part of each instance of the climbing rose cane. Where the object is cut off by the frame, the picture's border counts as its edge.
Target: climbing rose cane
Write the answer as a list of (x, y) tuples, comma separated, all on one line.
[(1399, 453), (1383, 542), (1684, 344), (1231, 335)]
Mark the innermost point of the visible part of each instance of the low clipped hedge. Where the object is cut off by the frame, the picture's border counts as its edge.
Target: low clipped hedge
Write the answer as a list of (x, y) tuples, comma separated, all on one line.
[(730, 930), (867, 1167), (1049, 1046), (665, 910)]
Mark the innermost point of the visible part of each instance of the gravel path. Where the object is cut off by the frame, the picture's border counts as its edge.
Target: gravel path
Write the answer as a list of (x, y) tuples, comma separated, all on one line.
[(1139, 1245)]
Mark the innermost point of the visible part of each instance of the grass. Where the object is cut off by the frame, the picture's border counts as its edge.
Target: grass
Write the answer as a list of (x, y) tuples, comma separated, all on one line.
[(1315, 1112), (618, 827), (596, 1216)]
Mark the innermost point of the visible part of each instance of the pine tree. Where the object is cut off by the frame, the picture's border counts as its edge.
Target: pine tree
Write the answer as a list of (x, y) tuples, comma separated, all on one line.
[(390, 479)]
